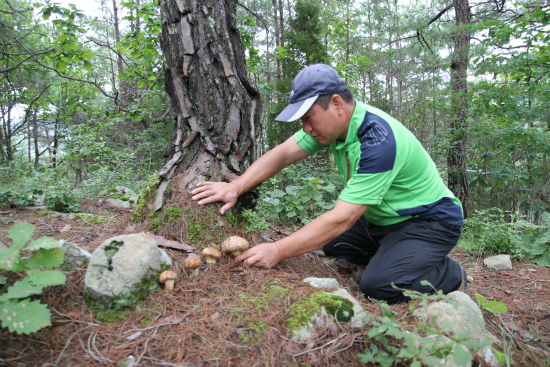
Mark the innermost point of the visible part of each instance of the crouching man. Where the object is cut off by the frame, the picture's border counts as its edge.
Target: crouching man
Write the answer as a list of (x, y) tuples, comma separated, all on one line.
[(395, 215)]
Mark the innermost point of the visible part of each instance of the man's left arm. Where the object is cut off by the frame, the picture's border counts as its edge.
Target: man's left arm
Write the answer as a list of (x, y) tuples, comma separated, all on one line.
[(311, 237)]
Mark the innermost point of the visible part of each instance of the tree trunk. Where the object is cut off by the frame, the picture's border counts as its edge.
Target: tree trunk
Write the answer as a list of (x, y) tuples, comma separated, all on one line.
[(456, 159), (218, 110), (121, 83)]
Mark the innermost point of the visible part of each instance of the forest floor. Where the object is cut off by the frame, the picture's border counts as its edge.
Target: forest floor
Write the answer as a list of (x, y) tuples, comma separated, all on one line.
[(231, 315)]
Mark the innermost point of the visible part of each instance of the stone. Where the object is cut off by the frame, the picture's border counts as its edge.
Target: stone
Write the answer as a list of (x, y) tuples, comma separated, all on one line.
[(532, 270), (321, 318), (74, 255), (449, 362), (128, 197), (359, 313), (329, 283), (120, 265), (461, 316), (498, 262)]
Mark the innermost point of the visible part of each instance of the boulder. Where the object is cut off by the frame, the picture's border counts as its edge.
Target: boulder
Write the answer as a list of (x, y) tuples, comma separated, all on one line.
[(462, 315), (329, 283), (321, 318), (121, 197), (74, 255), (122, 266), (498, 262)]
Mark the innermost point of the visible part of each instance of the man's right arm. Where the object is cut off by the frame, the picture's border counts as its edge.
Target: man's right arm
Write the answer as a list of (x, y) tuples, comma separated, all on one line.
[(264, 168)]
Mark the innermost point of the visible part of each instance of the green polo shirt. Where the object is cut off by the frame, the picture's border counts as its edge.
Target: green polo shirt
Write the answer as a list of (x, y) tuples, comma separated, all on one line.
[(386, 167)]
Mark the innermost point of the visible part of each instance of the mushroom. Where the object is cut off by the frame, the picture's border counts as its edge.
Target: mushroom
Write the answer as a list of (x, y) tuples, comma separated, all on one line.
[(211, 255), (168, 278), (192, 263), (235, 245)]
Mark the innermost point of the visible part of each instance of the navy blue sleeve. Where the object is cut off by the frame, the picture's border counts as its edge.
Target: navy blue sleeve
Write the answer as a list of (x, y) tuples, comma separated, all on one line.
[(378, 148)]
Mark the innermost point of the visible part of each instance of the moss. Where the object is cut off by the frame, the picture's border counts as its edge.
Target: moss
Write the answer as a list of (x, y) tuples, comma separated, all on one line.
[(50, 213), (304, 310), (148, 192), (90, 218), (141, 291), (113, 315), (154, 224), (112, 190), (173, 213)]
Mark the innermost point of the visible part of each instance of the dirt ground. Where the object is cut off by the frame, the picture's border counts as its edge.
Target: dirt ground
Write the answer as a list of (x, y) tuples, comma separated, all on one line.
[(205, 322)]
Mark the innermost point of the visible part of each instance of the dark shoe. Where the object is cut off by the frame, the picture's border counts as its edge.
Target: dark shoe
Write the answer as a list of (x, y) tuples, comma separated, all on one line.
[(464, 280)]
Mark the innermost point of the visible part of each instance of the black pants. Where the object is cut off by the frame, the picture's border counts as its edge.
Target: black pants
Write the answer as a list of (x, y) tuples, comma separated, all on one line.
[(404, 253)]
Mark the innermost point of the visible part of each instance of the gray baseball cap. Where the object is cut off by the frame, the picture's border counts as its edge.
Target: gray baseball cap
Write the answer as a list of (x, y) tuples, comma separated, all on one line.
[(309, 84)]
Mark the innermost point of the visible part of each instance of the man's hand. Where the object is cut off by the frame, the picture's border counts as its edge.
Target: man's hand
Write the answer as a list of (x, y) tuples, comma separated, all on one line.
[(265, 255), (209, 192)]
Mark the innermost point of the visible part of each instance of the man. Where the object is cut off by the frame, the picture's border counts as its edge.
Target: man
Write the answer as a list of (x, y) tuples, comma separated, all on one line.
[(394, 215)]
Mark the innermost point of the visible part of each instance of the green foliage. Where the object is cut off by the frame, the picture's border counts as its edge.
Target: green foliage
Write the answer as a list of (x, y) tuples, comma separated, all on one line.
[(18, 312), (494, 307), (494, 231), (10, 198), (297, 194), (425, 345), (60, 201), (538, 236)]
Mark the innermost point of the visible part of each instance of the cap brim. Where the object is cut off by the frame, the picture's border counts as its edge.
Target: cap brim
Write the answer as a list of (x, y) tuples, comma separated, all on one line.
[(296, 110)]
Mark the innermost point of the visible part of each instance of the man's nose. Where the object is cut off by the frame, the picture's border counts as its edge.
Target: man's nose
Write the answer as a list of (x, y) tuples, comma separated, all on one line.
[(307, 128)]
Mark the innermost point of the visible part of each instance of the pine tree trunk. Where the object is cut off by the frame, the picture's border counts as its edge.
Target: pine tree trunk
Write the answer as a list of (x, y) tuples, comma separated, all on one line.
[(456, 159), (218, 110)]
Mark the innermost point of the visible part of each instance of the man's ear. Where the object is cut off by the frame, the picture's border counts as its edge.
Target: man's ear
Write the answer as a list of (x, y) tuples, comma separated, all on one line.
[(338, 103)]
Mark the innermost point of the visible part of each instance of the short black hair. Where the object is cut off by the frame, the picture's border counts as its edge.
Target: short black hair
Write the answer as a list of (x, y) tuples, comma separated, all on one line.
[(324, 99)]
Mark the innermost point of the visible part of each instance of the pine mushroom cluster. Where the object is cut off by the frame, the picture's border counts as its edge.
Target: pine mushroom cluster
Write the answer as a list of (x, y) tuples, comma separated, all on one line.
[(233, 245)]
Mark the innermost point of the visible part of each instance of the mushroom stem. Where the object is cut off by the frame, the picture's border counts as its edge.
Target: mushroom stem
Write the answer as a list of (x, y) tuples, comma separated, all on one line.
[(169, 285), (236, 253), (194, 272)]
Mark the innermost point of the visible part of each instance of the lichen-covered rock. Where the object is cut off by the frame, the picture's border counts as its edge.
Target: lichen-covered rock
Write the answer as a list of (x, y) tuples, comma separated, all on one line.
[(498, 262), (123, 266), (329, 283), (348, 311), (466, 316), (2, 246), (74, 255), (121, 197)]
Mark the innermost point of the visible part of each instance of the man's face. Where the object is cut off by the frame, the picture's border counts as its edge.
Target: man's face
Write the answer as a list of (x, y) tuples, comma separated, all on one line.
[(323, 125)]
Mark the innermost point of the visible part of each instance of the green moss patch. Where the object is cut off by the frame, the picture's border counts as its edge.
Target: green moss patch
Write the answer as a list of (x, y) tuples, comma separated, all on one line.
[(148, 193), (97, 219)]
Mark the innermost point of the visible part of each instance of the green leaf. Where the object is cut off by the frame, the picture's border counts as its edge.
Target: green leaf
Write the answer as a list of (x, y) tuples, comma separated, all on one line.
[(495, 306), (88, 65), (46, 278), (22, 289), (10, 260), (43, 242), (461, 356), (48, 258), (20, 234), (24, 317)]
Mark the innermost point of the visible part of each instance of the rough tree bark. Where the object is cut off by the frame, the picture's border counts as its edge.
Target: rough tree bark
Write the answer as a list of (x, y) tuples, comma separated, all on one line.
[(456, 159), (218, 109)]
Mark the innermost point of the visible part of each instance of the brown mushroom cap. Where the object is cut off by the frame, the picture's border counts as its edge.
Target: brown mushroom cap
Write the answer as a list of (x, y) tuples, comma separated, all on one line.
[(192, 262), (211, 254), (168, 278), (167, 275), (235, 245)]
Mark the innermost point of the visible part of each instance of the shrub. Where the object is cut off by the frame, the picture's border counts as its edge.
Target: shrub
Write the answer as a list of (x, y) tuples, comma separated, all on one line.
[(18, 312)]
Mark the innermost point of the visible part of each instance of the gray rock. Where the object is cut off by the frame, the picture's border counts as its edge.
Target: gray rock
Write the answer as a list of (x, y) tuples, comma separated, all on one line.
[(120, 264), (321, 318), (74, 255), (441, 339), (462, 316), (498, 262), (359, 313), (165, 258), (532, 270), (119, 203), (329, 283)]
